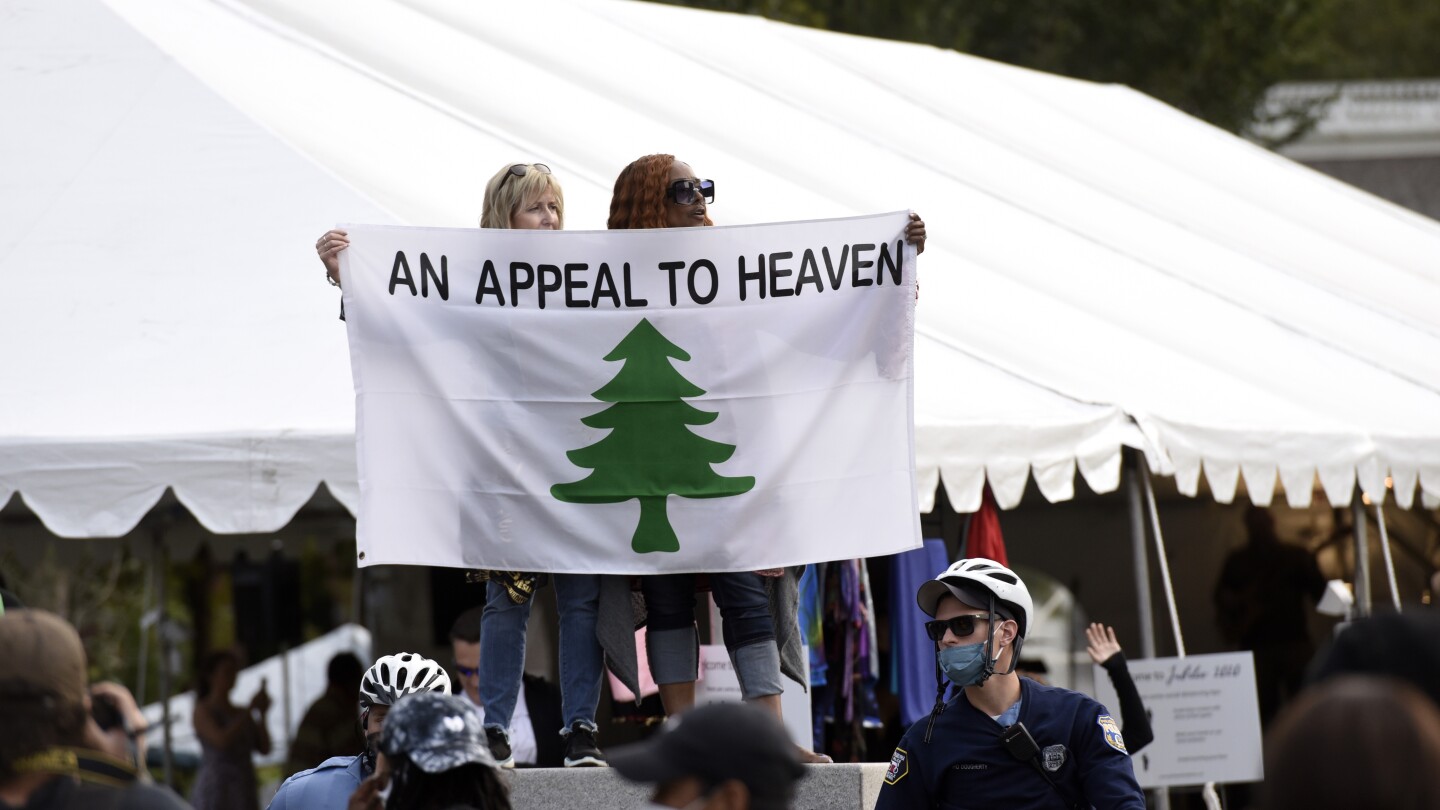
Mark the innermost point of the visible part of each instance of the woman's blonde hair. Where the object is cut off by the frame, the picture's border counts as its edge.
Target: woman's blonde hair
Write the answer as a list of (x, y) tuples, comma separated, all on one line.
[(504, 197)]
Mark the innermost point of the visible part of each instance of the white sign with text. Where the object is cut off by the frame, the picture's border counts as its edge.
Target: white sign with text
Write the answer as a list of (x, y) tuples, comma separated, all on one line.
[(719, 684), (1205, 714)]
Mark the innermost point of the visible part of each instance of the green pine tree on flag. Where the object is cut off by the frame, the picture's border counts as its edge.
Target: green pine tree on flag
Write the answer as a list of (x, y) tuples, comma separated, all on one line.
[(650, 452)]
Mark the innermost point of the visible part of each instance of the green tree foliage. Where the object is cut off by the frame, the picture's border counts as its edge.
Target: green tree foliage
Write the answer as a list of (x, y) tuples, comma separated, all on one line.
[(1381, 39), (1211, 58), (650, 452)]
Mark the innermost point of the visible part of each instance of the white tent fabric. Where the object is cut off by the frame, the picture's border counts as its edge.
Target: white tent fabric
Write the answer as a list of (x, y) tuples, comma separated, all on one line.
[(1095, 257), (163, 323)]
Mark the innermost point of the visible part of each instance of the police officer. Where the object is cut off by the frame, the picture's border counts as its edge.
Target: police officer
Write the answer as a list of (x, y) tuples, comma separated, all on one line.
[(328, 786), (1003, 740)]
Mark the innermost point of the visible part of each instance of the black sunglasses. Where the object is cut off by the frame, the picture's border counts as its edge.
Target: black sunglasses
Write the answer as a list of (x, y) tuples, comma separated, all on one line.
[(467, 672), (683, 191), (961, 626), (522, 169)]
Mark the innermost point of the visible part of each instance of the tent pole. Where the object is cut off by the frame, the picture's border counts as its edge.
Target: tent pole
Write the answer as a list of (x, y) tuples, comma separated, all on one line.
[(143, 669), (1142, 562), (1162, 796), (1139, 474), (285, 694), (1385, 555), (1163, 559), (1362, 552), (162, 620)]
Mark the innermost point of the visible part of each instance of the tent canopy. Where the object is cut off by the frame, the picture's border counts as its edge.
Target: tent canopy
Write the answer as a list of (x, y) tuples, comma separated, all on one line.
[(1102, 269)]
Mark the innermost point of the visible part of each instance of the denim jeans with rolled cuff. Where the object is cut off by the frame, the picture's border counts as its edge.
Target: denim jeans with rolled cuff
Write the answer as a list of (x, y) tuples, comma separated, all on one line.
[(747, 628)]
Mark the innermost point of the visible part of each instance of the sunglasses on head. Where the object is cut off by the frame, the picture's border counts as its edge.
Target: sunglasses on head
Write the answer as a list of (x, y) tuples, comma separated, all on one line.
[(683, 192), (522, 169), (961, 626)]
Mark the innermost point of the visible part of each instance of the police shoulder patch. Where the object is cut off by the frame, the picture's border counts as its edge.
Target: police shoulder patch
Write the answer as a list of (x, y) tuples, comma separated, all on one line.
[(899, 766), (1112, 733)]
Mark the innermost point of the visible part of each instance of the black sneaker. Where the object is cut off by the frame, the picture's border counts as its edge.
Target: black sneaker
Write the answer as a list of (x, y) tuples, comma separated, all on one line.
[(580, 748), (499, 747)]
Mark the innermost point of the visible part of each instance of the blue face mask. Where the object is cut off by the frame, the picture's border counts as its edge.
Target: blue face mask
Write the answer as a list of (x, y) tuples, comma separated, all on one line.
[(963, 665)]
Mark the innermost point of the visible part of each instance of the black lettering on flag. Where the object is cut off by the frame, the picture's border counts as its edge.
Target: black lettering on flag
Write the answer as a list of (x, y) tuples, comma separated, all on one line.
[(604, 287), (400, 267), (889, 262), (809, 272), (671, 267), (836, 272), (516, 285), (572, 284), (757, 276), (694, 291), (489, 283), (549, 280), (857, 264), (777, 273), (442, 281), (629, 300)]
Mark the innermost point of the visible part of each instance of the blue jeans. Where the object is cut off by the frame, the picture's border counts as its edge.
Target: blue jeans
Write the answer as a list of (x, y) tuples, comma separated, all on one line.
[(748, 629), (502, 650)]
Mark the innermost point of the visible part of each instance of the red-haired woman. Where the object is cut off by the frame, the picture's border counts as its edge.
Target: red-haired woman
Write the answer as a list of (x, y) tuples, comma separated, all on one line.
[(658, 191)]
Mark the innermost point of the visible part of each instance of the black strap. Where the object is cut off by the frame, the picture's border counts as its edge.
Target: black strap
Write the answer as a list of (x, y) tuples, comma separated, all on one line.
[(1017, 740)]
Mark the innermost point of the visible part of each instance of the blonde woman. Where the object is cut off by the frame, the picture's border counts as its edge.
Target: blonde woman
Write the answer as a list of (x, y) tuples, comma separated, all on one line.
[(524, 196)]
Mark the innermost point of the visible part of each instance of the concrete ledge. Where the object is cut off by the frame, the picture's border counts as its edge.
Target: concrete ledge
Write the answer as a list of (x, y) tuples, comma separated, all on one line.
[(826, 787)]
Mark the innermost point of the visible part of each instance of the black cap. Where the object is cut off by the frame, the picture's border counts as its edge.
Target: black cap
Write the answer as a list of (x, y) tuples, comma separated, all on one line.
[(716, 743), (1400, 645)]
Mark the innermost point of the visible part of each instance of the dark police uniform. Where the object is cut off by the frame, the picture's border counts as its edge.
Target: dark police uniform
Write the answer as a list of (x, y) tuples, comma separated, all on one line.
[(966, 766)]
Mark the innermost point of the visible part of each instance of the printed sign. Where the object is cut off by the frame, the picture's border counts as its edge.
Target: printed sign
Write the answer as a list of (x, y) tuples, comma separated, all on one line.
[(1205, 715), (718, 683)]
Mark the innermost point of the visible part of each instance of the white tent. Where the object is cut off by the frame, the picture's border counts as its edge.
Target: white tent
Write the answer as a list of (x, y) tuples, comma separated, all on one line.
[(1102, 269)]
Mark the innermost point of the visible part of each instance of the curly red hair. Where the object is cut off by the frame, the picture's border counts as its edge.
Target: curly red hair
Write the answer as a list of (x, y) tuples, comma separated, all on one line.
[(639, 197)]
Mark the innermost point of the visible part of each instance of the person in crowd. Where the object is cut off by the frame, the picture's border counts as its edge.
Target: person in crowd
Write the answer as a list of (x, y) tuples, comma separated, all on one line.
[(658, 191), (330, 785), (1261, 603), (534, 706), (525, 196), (1399, 645), (1354, 741), (1002, 741), (328, 728), (722, 756), (116, 714), (1134, 718), (228, 735), (434, 755), (51, 749)]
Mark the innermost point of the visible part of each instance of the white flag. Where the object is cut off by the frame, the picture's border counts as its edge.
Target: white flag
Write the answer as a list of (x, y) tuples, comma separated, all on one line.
[(697, 399)]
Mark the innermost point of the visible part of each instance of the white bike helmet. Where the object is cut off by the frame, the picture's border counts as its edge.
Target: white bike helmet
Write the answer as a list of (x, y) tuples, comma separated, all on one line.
[(973, 581), (395, 676)]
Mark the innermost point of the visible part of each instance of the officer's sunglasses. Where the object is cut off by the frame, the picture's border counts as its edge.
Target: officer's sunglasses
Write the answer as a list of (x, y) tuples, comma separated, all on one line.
[(683, 192), (961, 626)]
